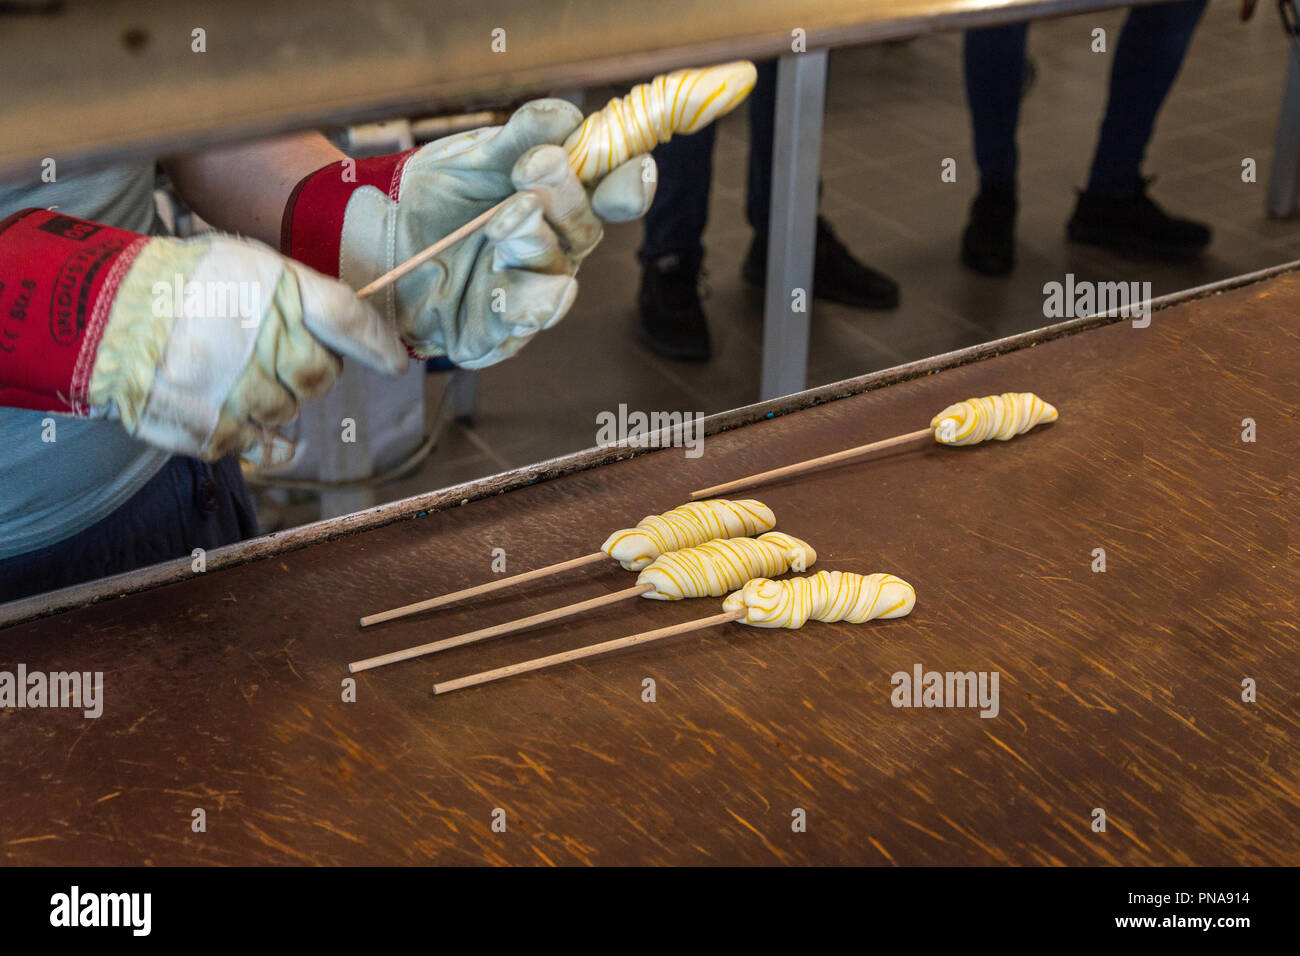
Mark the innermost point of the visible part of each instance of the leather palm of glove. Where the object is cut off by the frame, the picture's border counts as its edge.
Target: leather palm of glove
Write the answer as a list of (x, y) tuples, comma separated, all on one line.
[(199, 346), (481, 300)]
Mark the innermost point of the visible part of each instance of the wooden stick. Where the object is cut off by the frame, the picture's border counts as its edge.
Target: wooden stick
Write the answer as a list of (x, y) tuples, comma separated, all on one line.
[(590, 651), (420, 258), (496, 630), (766, 477), (521, 578)]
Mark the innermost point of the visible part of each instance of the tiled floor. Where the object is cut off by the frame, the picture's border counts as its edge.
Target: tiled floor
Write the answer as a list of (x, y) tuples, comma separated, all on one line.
[(894, 112)]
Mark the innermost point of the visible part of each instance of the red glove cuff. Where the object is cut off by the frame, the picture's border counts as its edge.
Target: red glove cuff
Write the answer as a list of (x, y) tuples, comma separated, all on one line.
[(311, 230), (58, 278)]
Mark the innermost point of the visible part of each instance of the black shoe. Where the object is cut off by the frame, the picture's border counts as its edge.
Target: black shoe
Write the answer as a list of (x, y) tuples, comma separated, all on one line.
[(1135, 224), (989, 243), (673, 323), (837, 275)]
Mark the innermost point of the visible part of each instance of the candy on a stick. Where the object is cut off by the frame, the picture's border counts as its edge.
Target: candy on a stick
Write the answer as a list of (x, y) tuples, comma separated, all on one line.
[(686, 527), (713, 569), (996, 417), (993, 418), (683, 101), (691, 524), (826, 596), (710, 570)]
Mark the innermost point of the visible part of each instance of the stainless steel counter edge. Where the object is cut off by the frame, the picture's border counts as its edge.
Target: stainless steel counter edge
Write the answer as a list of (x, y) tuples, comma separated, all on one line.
[(266, 546)]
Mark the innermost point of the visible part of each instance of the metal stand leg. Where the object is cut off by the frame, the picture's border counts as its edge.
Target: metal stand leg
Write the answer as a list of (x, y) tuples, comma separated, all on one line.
[(796, 161), (464, 393)]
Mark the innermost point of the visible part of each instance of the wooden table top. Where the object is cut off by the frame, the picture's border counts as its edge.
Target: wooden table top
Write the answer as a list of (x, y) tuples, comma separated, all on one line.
[(1118, 690)]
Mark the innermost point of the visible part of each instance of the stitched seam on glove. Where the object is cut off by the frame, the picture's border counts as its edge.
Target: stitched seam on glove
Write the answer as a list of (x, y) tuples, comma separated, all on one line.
[(369, 212), (399, 173), (83, 370)]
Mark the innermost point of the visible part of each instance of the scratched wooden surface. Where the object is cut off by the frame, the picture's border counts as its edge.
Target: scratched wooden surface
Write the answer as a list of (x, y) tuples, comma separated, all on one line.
[(1119, 690)]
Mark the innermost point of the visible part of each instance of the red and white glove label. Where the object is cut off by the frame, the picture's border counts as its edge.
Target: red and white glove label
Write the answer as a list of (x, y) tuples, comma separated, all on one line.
[(58, 277), (311, 230)]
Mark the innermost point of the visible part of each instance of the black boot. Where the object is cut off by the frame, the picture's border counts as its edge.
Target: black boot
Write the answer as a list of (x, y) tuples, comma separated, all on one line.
[(673, 323), (837, 275), (1135, 224), (989, 243)]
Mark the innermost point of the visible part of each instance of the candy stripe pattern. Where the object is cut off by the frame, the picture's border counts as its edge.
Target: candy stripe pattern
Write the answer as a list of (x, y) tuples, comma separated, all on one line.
[(997, 417), (713, 569), (686, 527), (680, 102), (825, 596)]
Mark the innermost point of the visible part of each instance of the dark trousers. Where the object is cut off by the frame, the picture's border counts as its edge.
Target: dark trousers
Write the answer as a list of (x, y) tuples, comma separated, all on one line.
[(189, 504), (680, 211), (1145, 62)]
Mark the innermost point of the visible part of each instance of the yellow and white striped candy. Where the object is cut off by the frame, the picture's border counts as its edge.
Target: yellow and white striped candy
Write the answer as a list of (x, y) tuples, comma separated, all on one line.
[(713, 569), (685, 527), (679, 102), (996, 417), (824, 596)]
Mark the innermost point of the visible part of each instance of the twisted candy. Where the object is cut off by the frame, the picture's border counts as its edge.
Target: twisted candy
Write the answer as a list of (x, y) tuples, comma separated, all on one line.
[(680, 102), (685, 527), (825, 596), (998, 417), (713, 569)]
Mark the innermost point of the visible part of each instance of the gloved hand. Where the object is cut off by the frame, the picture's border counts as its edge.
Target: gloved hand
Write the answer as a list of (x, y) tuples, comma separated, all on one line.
[(481, 300), (200, 346)]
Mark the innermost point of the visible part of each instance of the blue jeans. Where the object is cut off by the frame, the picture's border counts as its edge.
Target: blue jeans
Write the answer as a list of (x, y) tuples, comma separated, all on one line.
[(676, 219), (189, 504), (1146, 60)]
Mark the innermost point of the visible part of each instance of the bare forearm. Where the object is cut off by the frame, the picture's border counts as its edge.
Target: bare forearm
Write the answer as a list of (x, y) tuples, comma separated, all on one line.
[(244, 188)]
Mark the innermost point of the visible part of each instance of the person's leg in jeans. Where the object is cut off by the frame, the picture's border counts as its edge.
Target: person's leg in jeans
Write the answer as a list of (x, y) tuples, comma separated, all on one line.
[(673, 323), (994, 64), (676, 219), (762, 137), (838, 276), (1115, 211)]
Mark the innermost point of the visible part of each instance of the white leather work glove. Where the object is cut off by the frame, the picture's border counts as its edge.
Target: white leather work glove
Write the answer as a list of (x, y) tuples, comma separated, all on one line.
[(200, 346), (481, 300)]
